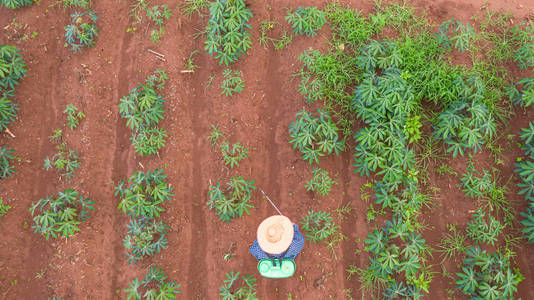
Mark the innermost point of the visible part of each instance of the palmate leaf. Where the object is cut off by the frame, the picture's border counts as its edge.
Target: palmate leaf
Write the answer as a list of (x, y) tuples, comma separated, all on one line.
[(376, 241), (489, 292), (411, 265), (68, 229), (133, 290), (8, 112), (395, 290), (509, 286), (389, 260), (527, 134), (468, 281), (526, 170), (6, 169), (528, 222)]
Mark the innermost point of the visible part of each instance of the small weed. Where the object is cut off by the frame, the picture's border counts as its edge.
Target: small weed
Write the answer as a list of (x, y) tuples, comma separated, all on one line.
[(372, 213), (4, 208), (265, 28), (452, 243), (344, 212), (136, 9), (230, 252), (412, 129), (215, 135), (445, 169), (190, 62), (76, 3), (194, 6)]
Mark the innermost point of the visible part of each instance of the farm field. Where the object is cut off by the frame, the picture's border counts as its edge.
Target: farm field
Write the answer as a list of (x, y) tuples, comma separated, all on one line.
[(412, 198)]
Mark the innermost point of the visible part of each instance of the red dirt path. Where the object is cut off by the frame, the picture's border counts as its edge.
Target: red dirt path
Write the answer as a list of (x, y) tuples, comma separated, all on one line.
[(93, 264)]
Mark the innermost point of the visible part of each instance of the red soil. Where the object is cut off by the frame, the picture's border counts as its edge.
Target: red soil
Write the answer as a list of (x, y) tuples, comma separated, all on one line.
[(93, 263)]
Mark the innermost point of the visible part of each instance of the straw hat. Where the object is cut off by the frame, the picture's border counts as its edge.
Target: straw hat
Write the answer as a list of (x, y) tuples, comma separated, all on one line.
[(275, 234)]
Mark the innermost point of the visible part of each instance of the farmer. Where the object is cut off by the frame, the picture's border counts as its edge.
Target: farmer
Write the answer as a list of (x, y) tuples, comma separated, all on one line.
[(277, 238)]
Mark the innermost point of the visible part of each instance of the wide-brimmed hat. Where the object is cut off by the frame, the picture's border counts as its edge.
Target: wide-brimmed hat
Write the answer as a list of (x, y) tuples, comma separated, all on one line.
[(275, 234)]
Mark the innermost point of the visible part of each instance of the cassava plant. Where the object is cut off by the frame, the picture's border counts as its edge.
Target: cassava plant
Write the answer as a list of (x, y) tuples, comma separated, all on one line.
[(465, 125), (397, 249), (318, 225), (82, 31), (306, 20), (524, 96), (15, 3), (232, 82), (153, 286), (321, 182), (227, 32), (233, 154), (8, 112), (386, 103), (64, 160), (487, 276), (523, 44), (315, 136), (74, 115), (143, 109), (231, 290), (142, 194), (462, 35), (12, 69), (6, 157), (60, 215), (158, 14), (233, 201), (525, 170), (141, 198), (144, 237)]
